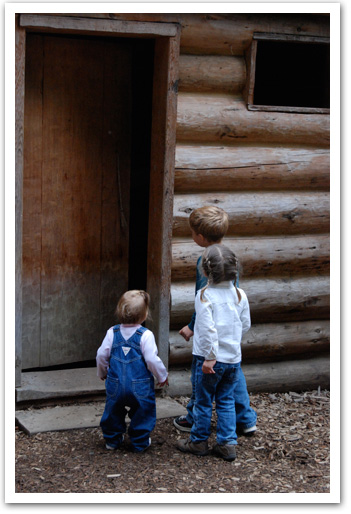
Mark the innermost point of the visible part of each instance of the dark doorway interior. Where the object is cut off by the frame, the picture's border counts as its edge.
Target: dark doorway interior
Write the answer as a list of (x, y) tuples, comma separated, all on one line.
[(142, 75)]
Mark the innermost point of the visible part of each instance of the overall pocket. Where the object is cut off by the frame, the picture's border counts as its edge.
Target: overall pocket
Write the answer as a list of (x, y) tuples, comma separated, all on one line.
[(112, 385), (141, 388)]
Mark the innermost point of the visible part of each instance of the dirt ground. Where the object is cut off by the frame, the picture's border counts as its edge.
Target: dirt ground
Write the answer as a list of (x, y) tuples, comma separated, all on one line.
[(288, 454)]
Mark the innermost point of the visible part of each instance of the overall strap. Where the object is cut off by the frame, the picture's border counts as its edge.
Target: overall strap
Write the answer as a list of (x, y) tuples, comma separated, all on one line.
[(117, 334), (141, 330)]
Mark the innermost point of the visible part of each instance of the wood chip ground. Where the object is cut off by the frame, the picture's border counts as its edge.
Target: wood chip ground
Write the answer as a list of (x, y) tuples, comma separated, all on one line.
[(288, 454)]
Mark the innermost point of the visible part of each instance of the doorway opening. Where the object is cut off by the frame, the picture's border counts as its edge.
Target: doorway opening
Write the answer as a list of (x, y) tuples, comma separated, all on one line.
[(77, 175), (142, 88)]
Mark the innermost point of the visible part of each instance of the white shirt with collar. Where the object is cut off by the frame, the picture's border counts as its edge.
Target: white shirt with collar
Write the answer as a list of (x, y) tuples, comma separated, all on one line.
[(220, 323)]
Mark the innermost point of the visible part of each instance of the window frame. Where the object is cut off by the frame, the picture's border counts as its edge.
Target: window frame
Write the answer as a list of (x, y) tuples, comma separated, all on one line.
[(250, 57)]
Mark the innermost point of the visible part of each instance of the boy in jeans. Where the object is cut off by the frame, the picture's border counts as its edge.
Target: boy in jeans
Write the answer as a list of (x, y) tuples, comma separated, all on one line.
[(208, 226)]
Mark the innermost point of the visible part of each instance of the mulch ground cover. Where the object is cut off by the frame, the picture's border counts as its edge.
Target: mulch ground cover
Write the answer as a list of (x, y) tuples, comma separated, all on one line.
[(288, 454)]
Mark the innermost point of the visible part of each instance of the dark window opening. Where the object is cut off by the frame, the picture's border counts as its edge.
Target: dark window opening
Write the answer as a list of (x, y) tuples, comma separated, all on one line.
[(291, 75), (142, 81)]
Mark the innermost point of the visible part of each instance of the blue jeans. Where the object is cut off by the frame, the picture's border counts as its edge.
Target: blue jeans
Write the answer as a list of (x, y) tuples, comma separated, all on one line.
[(245, 416), (129, 384), (218, 387)]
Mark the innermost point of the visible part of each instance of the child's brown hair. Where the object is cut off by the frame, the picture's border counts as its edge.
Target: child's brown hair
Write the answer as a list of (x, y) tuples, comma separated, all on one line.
[(220, 264), (210, 221), (133, 307)]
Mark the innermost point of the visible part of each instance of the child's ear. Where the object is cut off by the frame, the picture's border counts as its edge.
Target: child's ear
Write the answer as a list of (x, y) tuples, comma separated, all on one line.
[(202, 240)]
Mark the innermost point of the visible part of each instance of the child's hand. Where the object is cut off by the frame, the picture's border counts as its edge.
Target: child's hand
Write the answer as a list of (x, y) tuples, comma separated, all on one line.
[(186, 333), (207, 367), (161, 384)]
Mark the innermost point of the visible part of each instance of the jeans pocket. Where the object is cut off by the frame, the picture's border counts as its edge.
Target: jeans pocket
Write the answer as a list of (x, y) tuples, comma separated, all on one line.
[(111, 387), (232, 375), (141, 388)]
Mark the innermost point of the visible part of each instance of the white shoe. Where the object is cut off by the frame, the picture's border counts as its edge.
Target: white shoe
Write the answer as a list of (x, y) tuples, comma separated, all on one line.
[(111, 447), (249, 431)]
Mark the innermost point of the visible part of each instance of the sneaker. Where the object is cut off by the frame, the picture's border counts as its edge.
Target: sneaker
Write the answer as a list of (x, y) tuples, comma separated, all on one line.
[(225, 451), (182, 424), (248, 432), (110, 447), (187, 446), (114, 447), (143, 449)]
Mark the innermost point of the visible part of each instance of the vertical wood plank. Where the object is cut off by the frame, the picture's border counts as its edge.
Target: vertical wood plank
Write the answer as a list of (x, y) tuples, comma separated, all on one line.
[(115, 178), (32, 202), (161, 188), (250, 58), (20, 37), (71, 196), (84, 250)]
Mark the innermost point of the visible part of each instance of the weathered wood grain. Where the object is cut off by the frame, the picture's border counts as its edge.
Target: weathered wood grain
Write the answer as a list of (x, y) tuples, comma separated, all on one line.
[(20, 51), (259, 214), (211, 73), (246, 168), (162, 188), (266, 342), (86, 25), (32, 203), (82, 247), (271, 300), (213, 118), (225, 34), (260, 256)]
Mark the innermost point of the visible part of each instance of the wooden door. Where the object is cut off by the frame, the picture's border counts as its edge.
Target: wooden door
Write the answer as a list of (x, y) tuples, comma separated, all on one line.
[(75, 194)]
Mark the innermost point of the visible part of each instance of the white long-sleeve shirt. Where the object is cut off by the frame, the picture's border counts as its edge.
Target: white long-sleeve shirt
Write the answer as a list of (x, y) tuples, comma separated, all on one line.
[(148, 349), (220, 323)]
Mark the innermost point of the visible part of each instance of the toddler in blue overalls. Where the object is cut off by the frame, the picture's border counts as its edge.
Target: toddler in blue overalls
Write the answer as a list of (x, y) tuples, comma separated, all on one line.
[(127, 359)]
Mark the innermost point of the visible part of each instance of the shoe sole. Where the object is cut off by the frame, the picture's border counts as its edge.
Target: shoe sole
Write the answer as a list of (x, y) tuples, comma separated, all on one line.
[(250, 433), (228, 459), (179, 427)]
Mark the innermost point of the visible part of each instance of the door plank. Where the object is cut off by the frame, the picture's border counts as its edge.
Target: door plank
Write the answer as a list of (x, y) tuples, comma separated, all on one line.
[(82, 250), (116, 178), (32, 203)]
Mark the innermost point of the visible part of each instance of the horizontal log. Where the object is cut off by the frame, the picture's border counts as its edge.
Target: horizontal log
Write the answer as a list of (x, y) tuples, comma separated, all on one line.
[(212, 118), (272, 377), (270, 213), (271, 300), (260, 256), (224, 168), (227, 34), (211, 73), (266, 342)]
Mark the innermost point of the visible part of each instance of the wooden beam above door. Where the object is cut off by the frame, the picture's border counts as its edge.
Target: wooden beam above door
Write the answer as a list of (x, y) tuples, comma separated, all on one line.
[(97, 26)]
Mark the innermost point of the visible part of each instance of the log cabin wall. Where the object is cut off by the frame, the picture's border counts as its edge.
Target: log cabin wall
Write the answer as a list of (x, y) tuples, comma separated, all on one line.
[(270, 172)]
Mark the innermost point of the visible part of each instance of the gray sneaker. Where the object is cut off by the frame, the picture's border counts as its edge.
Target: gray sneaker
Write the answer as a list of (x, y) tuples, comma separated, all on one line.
[(187, 446), (225, 451)]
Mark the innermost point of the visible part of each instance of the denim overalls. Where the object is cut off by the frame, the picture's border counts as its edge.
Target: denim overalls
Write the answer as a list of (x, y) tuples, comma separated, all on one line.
[(128, 384)]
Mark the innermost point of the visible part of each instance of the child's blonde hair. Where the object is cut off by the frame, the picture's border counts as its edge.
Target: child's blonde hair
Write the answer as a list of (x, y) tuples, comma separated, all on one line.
[(220, 264), (209, 221), (133, 307)]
